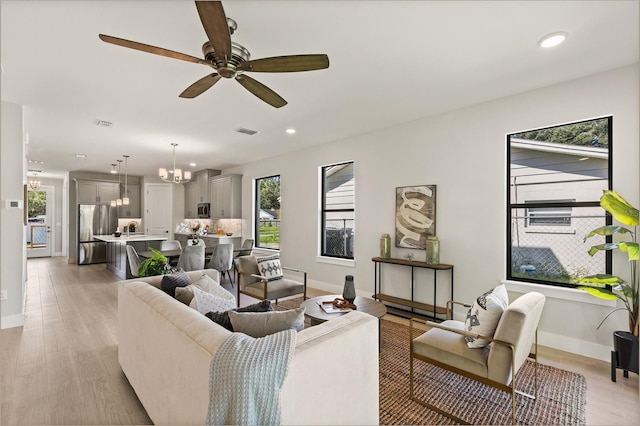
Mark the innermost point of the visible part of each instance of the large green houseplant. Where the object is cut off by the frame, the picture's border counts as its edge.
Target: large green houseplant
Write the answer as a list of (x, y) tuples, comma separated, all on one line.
[(611, 287), (617, 288)]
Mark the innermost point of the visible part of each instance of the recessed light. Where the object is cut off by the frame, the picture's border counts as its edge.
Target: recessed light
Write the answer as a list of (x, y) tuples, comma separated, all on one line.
[(553, 39), (192, 164), (291, 131), (81, 155)]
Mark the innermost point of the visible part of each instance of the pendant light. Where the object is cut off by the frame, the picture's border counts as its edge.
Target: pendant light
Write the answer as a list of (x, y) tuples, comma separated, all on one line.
[(125, 199), (35, 183), (178, 176), (113, 172), (119, 200)]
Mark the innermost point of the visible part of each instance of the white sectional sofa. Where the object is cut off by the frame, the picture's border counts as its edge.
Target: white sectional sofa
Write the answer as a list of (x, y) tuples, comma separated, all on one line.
[(165, 349)]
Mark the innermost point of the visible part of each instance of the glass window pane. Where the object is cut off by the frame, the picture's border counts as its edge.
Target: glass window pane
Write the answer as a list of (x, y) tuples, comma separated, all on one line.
[(268, 212)]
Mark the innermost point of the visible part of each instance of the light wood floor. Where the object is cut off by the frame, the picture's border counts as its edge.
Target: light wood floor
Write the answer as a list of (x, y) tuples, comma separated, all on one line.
[(62, 366)]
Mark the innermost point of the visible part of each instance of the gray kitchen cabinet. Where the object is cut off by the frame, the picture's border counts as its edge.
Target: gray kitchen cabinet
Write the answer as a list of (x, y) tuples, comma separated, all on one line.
[(226, 196), (132, 210), (191, 200), (97, 192)]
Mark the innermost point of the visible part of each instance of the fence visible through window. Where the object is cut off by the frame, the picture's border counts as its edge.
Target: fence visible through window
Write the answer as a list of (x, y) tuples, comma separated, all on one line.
[(339, 237), (555, 253), (269, 233)]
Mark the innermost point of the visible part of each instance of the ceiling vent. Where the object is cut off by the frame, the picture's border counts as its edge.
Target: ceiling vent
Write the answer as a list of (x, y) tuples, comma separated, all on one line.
[(103, 123), (246, 131)]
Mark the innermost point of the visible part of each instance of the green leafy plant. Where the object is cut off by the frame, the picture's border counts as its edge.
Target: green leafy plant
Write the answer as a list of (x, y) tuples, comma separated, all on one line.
[(611, 287), (155, 265)]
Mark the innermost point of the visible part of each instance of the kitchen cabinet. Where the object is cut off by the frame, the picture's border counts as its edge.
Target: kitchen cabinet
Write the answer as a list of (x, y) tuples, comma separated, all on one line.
[(191, 200), (133, 209), (226, 196), (97, 192)]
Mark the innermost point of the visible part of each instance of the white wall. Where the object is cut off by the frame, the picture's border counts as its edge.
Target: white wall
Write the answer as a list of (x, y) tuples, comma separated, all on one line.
[(12, 244), (463, 152)]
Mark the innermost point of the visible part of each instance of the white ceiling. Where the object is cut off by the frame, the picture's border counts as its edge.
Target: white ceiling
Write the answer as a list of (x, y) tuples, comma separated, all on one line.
[(391, 62)]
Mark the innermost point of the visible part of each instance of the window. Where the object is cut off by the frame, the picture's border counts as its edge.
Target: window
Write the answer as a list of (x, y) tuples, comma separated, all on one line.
[(556, 176), (549, 216), (267, 213), (338, 211)]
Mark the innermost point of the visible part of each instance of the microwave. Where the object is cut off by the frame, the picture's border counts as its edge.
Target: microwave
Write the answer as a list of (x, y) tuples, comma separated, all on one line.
[(204, 210)]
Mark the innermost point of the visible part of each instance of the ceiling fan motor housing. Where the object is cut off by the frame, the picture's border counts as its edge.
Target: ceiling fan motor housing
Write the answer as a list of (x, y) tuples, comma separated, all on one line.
[(239, 54)]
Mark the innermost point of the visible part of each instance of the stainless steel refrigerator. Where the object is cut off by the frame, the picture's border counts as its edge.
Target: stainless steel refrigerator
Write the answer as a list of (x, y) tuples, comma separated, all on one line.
[(94, 219)]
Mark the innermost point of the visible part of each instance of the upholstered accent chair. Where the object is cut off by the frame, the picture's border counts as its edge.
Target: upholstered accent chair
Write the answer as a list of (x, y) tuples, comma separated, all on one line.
[(245, 250), (221, 260), (191, 258), (134, 260), (496, 365), (256, 283)]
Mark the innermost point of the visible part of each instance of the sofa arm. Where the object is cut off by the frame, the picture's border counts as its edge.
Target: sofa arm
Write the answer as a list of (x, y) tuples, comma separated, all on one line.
[(343, 350)]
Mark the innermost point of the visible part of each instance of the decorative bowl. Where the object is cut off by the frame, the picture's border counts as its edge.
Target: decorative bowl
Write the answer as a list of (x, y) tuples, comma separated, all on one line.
[(228, 234)]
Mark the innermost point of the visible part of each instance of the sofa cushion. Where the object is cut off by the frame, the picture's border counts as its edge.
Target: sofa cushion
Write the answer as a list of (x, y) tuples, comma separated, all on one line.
[(484, 315), (204, 283), (171, 281), (269, 267), (205, 302), (222, 318), (260, 324)]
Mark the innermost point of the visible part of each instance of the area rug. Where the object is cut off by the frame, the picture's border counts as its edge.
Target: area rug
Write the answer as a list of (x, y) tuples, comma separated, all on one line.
[(561, 396)]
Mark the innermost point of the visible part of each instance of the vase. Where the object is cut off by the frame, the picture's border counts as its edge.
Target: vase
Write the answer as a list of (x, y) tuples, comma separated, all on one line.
[(433, 250), (385, 246), (349, 290), (624, 354)]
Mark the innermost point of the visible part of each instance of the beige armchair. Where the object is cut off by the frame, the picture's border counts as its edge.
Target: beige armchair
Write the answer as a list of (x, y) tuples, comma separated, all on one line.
[(252, 283), (496, 365)]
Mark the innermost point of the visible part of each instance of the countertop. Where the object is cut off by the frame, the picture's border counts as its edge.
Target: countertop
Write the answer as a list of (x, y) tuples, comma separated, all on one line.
[(210, 235), (123, 238)]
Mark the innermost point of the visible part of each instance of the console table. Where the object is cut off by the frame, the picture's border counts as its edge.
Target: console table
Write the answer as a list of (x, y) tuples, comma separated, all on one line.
[(410, 303)]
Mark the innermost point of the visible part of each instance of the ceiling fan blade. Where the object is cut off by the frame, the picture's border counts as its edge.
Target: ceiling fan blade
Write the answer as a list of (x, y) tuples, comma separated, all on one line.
[(215, 25), (291, 63), (200, 86), (261, 91), (151, 49)]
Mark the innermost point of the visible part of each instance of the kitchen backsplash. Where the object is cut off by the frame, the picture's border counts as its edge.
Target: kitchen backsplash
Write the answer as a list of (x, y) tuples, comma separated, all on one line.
[(233, 226), (124, 223)]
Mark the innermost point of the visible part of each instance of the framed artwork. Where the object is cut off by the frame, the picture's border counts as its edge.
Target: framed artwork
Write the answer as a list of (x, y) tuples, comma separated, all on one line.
[(415, 215)]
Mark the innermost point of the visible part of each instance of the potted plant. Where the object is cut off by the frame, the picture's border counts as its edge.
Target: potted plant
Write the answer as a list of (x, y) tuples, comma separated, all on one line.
[(155, 265), (610, 287)]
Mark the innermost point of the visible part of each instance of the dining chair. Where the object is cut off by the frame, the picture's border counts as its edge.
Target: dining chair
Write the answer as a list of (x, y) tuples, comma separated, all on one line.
[(221, 260), (191, 258), (245, 250), (198, 242), (171, 245), (134, 260)]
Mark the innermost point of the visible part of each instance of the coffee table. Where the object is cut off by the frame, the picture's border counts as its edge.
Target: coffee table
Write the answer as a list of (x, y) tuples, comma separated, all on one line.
[(317, 315)]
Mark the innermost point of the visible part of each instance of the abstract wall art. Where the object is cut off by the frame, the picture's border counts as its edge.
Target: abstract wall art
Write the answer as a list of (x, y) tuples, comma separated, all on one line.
[(415, 215)]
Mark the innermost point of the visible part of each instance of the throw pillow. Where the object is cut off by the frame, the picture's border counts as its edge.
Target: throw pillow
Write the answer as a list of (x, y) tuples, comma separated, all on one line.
[(269, 267), (222, 318), (258, 324), (185, 294), (484, 315), (205, 302), (171, 281)]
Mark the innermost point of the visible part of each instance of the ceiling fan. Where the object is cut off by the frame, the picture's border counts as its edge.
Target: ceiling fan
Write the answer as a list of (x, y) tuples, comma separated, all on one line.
[(229, 59)]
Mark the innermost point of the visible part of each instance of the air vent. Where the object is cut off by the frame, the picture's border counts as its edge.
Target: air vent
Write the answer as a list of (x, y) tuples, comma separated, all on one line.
[(103, 123), (246, 131)]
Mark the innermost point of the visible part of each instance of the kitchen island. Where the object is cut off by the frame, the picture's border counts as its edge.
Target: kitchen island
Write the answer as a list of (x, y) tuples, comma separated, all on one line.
[(117, 261), (211, 240)]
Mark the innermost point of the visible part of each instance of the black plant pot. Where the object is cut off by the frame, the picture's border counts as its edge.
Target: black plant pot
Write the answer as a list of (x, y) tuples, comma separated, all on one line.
[(624, 354)]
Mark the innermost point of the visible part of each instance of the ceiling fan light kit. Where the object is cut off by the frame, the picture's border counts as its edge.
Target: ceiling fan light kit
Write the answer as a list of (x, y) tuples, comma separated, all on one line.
[(229, 59)]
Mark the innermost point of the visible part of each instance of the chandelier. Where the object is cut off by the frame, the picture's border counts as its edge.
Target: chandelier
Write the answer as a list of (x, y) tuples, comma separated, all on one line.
[(176, 174), (35, 183)]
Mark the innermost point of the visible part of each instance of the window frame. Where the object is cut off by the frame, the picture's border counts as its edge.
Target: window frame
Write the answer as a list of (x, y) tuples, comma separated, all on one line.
[(553, 204), (324, 210), (256, 211)]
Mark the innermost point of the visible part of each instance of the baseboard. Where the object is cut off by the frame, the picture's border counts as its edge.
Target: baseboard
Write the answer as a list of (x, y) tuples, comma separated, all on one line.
[(575, 346), (11, 321)]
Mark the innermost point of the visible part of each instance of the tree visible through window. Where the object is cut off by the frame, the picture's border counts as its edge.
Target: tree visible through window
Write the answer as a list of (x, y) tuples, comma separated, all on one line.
[(338, 211), (267, 214), (556, 176)]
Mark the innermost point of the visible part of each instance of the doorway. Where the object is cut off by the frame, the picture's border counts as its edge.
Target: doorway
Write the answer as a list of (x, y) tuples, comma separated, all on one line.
[(39, 220)]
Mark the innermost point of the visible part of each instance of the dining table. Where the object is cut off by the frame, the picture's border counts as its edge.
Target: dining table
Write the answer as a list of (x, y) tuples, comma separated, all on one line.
[(175, 254)]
